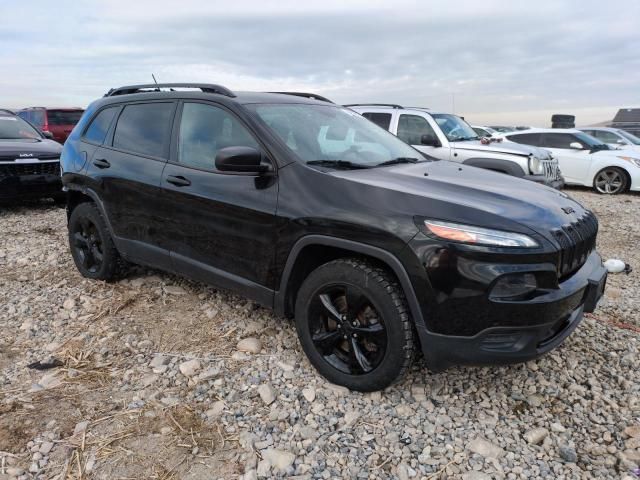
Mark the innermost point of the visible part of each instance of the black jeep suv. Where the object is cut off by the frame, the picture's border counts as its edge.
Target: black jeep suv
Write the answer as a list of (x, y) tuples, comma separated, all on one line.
[(29, 161), (311, 209)]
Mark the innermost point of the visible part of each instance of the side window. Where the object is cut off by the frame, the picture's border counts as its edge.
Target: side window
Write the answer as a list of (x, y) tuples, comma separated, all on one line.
[(144, 128), (606, 137), (99, 126), (533, 139), (205, 129), (411, 128), (37, 118), (381, 119), (24, 115), (559, 140)]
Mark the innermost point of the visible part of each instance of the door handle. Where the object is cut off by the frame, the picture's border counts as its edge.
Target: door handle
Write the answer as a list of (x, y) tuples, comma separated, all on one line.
[(101, 163), (178, 181)]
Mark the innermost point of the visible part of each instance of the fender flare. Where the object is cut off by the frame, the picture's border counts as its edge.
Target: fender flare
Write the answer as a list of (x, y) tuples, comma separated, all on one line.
[(507, 166), (96, 199), (362, 248)]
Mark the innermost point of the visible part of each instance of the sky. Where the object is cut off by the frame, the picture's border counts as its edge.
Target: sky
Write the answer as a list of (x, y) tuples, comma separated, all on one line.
[(494, 62)]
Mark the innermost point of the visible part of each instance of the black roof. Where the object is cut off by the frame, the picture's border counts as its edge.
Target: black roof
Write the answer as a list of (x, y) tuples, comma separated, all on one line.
[(627, 115)]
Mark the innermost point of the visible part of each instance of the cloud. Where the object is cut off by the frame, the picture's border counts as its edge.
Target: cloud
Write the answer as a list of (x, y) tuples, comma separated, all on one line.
[(516, 61)]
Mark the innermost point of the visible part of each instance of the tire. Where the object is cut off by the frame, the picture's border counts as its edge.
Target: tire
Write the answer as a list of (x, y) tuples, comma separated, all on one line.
[(611, 181), (92, 247), (349, 302), (561, 118)]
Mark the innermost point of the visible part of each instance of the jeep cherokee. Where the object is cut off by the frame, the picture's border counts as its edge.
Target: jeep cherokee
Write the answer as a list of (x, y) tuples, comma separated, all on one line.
[(309, 208)]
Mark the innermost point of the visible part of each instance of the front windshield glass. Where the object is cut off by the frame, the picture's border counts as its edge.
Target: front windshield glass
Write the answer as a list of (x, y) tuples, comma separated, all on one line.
[(329, 134), (454, 128), (14, 128), (629, 136)]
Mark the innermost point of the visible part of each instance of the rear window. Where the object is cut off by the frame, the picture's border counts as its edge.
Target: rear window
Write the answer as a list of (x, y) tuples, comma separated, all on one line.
[(381, 119), (99, 126), (64, 117), (144, 128)]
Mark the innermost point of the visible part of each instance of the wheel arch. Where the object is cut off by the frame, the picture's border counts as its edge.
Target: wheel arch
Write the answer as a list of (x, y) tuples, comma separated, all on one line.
[(311, 251), (77, 196)]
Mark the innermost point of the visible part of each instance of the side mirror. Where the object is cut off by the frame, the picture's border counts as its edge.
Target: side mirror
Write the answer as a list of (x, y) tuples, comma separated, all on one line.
[(621, 142), (241, 160), (576, 146), (48, 135), (430, 141)]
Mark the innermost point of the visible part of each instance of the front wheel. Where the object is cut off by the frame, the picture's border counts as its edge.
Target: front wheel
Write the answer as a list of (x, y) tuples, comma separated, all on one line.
[(610, 181), (353, 323)]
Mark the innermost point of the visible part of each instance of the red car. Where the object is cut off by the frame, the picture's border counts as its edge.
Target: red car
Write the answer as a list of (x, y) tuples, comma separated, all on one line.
[(58, 121)]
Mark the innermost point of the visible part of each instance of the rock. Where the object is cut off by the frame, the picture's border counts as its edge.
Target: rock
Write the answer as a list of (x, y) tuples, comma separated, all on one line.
[(174, 290), (338, 390), (264, 468), (14, 471), (81, 427), (69, 304), (350, 418), (280, 459), (240, 356), (49, 381), (250, 475), (557, 428), (249, 345), (475, 475), (149, 380), (632, 431), (567, 453), (287, 367), (209, 373), (309, 393), (536, 435), (159, 361), (45, 447), (267, 393), (216, 409), (190, 367), (485, 448)]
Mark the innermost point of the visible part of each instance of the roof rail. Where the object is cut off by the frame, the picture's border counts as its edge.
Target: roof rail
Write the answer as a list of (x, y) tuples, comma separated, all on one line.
[(419, 108), (155, 87), (390, 105), (313, 96), (6, 110)]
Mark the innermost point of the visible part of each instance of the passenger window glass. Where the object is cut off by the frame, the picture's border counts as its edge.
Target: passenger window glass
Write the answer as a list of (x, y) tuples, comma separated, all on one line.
[(606, 137), (205, 129), (144, 128), (99, 126), (526, 139), (411, 128), (381, 119), (37, 118), (559, 140)]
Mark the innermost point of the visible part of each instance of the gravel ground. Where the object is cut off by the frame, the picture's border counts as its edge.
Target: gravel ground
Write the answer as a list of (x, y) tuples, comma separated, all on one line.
[(161, 378)]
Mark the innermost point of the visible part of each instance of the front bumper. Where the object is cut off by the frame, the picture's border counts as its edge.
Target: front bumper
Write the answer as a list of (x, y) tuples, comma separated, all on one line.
[(557, 184), (30, 180), (513, 344)]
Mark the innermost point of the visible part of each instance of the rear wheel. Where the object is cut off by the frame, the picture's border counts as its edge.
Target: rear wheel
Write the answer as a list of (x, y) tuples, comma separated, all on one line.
[(354, 326), (92, 247), (610, 181)]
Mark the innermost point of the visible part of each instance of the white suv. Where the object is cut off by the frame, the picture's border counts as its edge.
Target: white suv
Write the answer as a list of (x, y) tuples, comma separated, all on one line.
[(449, 137), (614, 137), (585, 160)]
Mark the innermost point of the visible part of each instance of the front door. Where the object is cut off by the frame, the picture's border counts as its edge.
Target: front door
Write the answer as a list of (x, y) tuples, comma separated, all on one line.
[(220, 227), (574, 163), (411, 129)]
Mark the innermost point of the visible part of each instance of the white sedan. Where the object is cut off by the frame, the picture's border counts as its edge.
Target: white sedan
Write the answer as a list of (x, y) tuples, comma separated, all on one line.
[(585, 160), (614, 137)]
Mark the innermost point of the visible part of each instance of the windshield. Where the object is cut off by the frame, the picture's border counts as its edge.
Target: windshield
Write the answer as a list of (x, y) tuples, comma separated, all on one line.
[(632, 138), (336, 136), (13, 128), (454, 128)]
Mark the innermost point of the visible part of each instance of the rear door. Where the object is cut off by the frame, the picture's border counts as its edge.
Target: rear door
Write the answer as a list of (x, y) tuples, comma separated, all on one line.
[(220, 226), (127, 170)]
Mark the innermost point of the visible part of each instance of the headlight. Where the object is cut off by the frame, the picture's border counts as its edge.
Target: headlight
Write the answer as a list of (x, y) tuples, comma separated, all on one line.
[(535, 165), (478, 236), (635, 161)]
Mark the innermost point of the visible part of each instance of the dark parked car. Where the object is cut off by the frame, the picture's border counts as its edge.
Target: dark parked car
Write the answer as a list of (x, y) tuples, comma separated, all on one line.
[(29, 162), (58, 121), (311, 209)]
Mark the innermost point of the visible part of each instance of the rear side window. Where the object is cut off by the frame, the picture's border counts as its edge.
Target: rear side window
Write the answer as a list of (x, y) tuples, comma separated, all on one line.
[(64, 117), (99, 126), (144, 129), (381, 119), (559, 140), (534, 139)]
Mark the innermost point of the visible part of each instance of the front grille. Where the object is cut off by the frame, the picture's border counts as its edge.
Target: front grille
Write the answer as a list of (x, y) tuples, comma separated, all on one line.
[(18, 169), (11, 156), (551, 170), (577, 240)]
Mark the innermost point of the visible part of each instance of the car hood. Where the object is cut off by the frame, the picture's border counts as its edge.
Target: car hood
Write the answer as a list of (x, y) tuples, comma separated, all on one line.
[(626, 150), (442, 189), (12, 149), (502, 147)]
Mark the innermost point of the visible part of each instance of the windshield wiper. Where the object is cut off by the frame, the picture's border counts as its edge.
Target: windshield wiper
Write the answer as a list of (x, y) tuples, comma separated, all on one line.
[(395, 161), (337, 164)]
